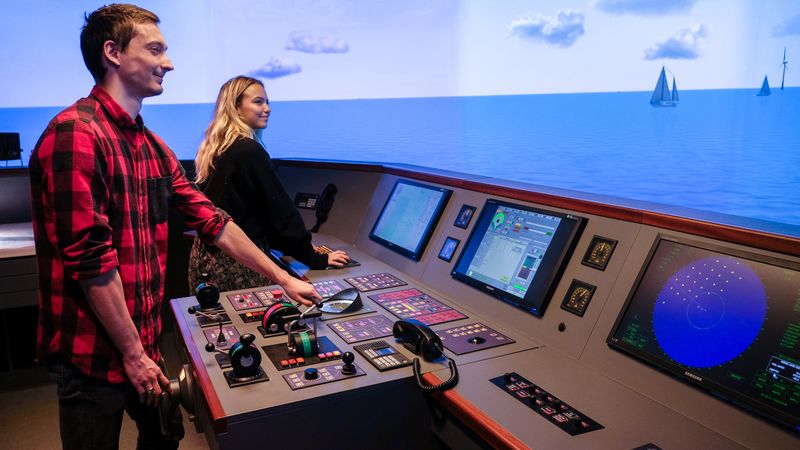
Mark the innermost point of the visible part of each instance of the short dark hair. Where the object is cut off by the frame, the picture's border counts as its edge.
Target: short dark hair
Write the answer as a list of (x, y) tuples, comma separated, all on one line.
[(115, 22)]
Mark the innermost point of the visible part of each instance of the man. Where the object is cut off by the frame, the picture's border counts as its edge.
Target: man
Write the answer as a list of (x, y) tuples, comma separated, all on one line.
[(101, 183)]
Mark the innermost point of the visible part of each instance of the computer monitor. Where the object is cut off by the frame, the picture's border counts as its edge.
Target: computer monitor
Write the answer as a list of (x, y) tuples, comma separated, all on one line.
[(9, 146), (518, 253), (409, 217), (725, 320)]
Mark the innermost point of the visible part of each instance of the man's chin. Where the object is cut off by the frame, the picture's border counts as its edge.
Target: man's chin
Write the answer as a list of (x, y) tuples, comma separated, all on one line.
[(155, 90)]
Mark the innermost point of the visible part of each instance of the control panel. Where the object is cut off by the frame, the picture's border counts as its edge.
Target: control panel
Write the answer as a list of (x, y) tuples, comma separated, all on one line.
[(547, 405)]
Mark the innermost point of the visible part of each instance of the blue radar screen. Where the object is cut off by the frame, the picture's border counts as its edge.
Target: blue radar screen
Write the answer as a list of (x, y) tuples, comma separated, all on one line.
[(709, 312)]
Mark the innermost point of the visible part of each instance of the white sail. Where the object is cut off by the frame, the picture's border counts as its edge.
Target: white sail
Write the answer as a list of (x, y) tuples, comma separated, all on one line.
[(661, 95), (674, 91)]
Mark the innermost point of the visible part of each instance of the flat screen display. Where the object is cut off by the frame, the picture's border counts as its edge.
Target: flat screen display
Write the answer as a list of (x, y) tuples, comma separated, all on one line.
[(409, 217), (518, 253), (723, 319)]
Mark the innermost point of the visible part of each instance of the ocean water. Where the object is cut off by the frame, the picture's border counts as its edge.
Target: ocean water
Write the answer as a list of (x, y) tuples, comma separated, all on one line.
[(725, 151)]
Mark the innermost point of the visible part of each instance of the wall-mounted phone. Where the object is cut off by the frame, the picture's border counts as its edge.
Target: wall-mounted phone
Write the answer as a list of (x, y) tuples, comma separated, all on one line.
[(324, 205), (421, 340)]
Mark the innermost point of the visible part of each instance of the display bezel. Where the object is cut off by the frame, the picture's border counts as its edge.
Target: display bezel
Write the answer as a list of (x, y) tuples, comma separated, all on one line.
[(676, 370), (416, 253), (558, 253)]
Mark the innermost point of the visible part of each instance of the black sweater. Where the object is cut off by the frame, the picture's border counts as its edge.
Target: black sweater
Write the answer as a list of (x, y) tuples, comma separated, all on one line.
[(245, 184)]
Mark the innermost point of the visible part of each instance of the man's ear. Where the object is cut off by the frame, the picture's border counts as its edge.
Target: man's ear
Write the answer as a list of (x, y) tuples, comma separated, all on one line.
[(111, 53)]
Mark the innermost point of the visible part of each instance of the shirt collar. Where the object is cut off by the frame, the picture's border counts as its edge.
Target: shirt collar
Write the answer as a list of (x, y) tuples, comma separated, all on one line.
[(118, 115)]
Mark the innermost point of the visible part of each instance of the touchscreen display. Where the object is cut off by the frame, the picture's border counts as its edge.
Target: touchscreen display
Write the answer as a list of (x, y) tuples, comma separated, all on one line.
[(517, 253)]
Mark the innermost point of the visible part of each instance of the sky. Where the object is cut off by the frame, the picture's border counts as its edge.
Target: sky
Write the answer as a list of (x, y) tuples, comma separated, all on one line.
[(349, 49)]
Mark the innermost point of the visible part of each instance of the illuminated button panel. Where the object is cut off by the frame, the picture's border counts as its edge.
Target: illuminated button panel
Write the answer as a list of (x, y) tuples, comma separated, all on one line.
[(322, 375), (546, 404), (375, 281), (256, 299), (415, 304)]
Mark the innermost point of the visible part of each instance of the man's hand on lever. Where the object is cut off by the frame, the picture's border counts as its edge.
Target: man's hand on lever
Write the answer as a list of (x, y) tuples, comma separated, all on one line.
[(301, 292)]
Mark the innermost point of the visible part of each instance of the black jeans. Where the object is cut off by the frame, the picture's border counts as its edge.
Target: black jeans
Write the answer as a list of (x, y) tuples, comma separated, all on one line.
[(90, 412)]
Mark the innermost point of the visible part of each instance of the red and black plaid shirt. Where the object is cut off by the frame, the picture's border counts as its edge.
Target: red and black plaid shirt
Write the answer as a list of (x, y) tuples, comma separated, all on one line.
[(101, 186)]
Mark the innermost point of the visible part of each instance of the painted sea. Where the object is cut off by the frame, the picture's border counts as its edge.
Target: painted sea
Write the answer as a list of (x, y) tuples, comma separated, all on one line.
[(724, 151)]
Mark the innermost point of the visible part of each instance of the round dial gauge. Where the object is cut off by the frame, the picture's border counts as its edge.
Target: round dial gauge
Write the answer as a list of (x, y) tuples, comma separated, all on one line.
[(601, 252)]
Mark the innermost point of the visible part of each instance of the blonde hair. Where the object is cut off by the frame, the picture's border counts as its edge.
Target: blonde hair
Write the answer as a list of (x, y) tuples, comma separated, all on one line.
[(225, 127)]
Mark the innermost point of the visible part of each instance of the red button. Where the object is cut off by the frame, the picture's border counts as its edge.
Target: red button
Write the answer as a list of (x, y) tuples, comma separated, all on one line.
[(301, 360), (321, 356), (284, 363), (329, 354), (292, 361), (277, 293)]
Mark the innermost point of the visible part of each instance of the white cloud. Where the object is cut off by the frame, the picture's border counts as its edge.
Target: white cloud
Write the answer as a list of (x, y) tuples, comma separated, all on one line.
[(684, 45), (304, 42), (561, 30), (277, 67), (789, 27)]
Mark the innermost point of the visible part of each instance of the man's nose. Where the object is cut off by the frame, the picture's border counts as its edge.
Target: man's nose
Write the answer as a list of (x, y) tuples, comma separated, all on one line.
[(167, 64)]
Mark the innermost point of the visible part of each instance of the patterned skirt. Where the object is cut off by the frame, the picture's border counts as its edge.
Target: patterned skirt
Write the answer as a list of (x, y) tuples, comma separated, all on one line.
[(225, 272)]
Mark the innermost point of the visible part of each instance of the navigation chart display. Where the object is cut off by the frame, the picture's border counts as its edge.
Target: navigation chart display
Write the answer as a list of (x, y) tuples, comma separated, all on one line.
[(409, 217), (518, 253), (726, 320)]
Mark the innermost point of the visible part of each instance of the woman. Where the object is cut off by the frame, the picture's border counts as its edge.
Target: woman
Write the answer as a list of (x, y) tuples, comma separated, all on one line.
[(236, 173)]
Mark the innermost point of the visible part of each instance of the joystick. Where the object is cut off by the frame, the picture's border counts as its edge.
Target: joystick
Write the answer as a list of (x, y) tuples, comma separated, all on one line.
[(207, 293), (348, 368)]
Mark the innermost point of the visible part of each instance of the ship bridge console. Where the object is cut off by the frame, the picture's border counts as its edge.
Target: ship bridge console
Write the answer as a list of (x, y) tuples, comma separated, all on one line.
[(545, 321)]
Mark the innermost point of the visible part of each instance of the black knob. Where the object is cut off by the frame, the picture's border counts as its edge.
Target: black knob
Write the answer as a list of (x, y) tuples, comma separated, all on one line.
[(192, 310), (209, 347), (310, 374), (348, 368), (507, 377), (247, 339)]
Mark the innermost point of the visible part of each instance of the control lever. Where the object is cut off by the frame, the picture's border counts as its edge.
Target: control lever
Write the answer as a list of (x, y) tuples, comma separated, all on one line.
[(303, 342), (180, 392), (213, 317)]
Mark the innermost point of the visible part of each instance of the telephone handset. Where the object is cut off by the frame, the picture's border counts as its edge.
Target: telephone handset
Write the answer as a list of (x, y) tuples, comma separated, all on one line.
[(421, 340), (324, 205)]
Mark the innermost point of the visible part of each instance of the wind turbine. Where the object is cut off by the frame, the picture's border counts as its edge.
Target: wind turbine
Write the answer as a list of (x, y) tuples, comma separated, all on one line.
[(784, 64)]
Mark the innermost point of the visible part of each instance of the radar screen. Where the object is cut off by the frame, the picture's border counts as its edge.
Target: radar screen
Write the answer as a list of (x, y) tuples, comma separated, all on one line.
[(724, 319)]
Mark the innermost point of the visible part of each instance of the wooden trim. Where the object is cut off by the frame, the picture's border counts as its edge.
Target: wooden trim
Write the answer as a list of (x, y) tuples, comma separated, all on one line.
[(483, 425), (730, 233), (216, 413)]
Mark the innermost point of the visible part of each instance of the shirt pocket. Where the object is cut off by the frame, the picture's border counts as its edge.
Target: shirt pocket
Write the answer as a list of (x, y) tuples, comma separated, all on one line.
[(159, 193)]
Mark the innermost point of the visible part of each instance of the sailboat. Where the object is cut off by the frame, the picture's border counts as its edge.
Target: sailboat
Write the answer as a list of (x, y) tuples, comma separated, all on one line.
[(764, 88), (661, 94)]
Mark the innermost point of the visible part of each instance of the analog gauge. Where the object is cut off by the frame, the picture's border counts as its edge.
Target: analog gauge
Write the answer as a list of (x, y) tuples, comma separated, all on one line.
[(599, 252), (578, 296)]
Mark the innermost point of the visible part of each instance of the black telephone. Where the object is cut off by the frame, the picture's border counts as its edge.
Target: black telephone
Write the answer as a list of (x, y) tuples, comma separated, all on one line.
[(324, 205), (421, 340)]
